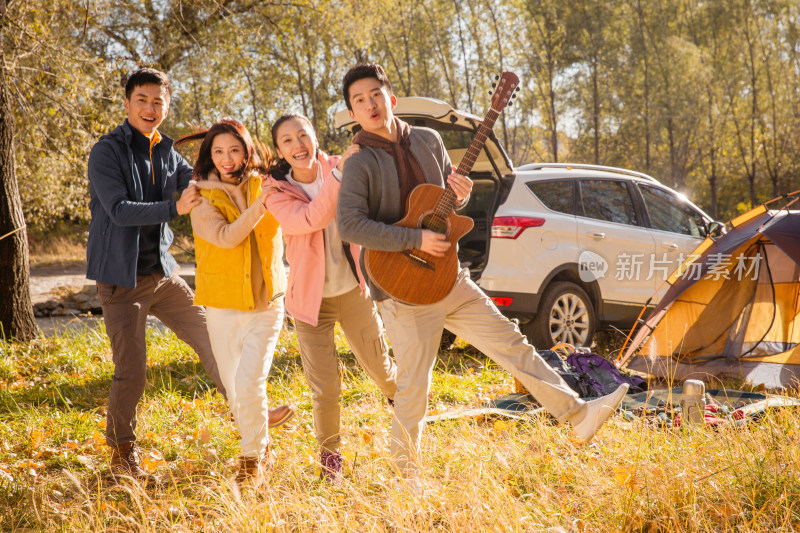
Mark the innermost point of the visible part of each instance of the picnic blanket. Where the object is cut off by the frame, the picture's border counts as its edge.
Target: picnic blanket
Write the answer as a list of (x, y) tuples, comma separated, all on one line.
[(723, 406)]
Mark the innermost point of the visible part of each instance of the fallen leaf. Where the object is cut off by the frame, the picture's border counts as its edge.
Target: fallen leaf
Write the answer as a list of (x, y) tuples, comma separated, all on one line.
[(624, 475), (36, 438), (203, 435)]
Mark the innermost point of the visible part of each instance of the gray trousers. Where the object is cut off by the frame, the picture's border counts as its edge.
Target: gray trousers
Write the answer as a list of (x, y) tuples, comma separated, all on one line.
[(415, 332), (125, 315), (364, 332)]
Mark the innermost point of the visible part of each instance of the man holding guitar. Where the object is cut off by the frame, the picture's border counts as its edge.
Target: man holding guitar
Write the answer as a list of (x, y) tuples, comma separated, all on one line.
[(419, 250)]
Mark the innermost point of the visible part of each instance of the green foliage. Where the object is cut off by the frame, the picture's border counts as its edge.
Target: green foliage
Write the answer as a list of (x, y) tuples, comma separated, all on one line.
[(699, 94)]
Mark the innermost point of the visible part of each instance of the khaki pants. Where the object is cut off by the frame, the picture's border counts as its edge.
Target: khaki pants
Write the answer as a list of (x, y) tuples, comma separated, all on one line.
[(415, 332), (363, 329), (244, 344), (125, 315)]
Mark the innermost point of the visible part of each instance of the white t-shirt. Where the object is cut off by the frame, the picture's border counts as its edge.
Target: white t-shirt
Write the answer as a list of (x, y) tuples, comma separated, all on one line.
[(339, 278)]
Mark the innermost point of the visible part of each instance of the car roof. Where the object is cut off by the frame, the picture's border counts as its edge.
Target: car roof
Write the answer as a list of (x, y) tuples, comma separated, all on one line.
[(600, 171), (558, 171), (418, 109)]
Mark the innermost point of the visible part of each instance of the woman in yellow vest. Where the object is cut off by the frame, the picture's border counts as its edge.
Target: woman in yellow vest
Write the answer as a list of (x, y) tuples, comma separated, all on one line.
[(240, 278)]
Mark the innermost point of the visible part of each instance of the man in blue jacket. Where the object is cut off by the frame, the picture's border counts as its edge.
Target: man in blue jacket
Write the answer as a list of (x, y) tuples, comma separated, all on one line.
[(134, 176)]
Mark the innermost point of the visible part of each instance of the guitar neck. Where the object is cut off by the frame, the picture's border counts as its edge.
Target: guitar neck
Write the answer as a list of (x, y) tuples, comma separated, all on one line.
[(477, 143), (448, 201)]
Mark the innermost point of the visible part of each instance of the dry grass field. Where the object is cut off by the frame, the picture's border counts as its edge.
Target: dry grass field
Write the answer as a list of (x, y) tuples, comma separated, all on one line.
[(478, 475)]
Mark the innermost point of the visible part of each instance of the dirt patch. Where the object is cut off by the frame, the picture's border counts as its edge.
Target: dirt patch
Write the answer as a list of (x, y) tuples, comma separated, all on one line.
[(63, 290)]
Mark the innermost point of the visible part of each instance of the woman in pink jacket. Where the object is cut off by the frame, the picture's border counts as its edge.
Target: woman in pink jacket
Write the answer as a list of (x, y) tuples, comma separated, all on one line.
[(325, 284)]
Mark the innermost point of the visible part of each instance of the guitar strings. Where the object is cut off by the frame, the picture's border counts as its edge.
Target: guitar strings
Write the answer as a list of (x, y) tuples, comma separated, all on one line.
[(437, 220)]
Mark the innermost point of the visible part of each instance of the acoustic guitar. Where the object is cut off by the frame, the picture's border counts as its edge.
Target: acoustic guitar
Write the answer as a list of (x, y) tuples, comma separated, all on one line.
[(413, 276)]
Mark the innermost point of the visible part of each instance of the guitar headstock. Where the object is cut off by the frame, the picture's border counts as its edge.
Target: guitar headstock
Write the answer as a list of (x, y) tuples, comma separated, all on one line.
[(505, 87)]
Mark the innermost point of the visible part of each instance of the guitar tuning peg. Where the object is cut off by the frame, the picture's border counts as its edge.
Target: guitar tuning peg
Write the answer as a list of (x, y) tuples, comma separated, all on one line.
[(497, 77), (509, 104), (514, 95), (494, 84), (517, 89), (490, 92)]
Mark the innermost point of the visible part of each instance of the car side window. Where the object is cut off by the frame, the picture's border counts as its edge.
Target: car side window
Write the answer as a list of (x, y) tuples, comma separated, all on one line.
[(669, 213), (608, 200), (557, 195)]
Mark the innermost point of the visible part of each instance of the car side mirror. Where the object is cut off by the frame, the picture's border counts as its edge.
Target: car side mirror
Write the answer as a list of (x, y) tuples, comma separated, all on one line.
[(715, 229)]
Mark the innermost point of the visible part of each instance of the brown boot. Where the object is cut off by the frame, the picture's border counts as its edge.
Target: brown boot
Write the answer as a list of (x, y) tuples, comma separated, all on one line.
[(125, 462), (252, 470), (280, 415)]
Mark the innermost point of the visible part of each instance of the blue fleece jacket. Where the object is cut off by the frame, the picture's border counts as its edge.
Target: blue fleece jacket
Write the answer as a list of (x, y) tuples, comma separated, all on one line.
[(118, 208)]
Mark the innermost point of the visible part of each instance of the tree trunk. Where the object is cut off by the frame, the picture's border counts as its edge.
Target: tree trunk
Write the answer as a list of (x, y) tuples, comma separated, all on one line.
[(501, 64), (596, 109), (551, 100), (712, 178), (16, 310), (646, 88)]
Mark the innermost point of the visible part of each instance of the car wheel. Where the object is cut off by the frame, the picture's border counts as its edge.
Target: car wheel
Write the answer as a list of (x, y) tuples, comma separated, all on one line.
[(566, 314)]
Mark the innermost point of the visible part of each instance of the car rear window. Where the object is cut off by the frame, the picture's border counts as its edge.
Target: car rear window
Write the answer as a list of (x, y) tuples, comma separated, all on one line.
[(608, 200), (558, 195)]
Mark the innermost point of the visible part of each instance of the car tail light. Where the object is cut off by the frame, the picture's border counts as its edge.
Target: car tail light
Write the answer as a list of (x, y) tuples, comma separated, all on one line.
[(502, 301), (512, 227)]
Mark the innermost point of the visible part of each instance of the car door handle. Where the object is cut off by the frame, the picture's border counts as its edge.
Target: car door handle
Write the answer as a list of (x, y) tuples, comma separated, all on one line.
[(599, 235), (671, 245)]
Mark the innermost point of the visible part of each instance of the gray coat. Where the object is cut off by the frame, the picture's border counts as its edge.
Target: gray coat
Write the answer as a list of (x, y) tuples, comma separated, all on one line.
[(115, 189), (369, 197)]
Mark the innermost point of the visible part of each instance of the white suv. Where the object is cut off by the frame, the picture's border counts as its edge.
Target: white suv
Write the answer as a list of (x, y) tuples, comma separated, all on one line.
[(563, 248)]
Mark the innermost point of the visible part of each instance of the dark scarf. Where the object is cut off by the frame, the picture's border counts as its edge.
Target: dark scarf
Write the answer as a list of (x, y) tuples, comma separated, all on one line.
[(409, 173)]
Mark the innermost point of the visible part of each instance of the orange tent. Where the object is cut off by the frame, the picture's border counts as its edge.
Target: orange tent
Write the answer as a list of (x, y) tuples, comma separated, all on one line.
[(732, 308)]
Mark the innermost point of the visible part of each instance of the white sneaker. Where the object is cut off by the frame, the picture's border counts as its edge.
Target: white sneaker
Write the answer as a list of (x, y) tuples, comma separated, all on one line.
[(597, 412)]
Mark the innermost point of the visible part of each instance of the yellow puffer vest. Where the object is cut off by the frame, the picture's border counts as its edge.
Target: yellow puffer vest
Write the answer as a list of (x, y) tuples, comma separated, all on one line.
[(223, 275)]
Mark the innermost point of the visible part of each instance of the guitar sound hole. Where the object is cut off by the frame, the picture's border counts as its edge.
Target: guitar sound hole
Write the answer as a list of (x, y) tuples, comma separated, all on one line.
[(435, 223)]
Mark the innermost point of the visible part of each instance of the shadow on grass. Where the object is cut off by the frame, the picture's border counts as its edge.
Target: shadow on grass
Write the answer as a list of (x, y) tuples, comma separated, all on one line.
[(186, 378)]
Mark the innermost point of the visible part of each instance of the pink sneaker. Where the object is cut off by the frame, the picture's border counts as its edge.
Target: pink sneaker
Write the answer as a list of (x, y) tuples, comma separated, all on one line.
[(331, 466)]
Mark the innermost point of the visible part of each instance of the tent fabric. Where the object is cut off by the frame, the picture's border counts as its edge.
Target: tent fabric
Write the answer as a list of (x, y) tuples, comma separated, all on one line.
[(784, 231), (733, 308)]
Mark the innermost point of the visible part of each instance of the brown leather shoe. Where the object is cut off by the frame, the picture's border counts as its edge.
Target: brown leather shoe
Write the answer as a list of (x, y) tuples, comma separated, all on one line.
[(125, 462), (280, 415), (252, 470)]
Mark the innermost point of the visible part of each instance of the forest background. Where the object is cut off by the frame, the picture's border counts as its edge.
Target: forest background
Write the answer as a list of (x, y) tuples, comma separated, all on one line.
[(703, 95)]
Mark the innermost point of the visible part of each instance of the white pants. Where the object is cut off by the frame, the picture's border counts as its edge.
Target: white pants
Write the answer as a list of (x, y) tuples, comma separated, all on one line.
[(415, 332), (244, 343)]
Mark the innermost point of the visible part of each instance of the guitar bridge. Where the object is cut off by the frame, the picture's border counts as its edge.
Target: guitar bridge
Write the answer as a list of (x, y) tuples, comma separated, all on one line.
[(417, 260)]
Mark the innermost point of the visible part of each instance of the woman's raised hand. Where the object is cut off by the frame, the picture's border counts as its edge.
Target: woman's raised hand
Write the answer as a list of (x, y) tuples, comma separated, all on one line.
[(266, 191), (352, 149)]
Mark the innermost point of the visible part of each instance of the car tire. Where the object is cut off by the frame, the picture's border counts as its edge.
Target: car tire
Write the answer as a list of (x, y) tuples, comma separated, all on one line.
[(566, 314)]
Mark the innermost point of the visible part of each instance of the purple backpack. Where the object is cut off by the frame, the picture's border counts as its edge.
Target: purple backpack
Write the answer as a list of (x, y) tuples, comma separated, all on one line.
[(599, 376)]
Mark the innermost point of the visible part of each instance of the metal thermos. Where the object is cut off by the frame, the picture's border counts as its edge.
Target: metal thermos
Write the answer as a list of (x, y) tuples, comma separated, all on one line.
[(693, 402)]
